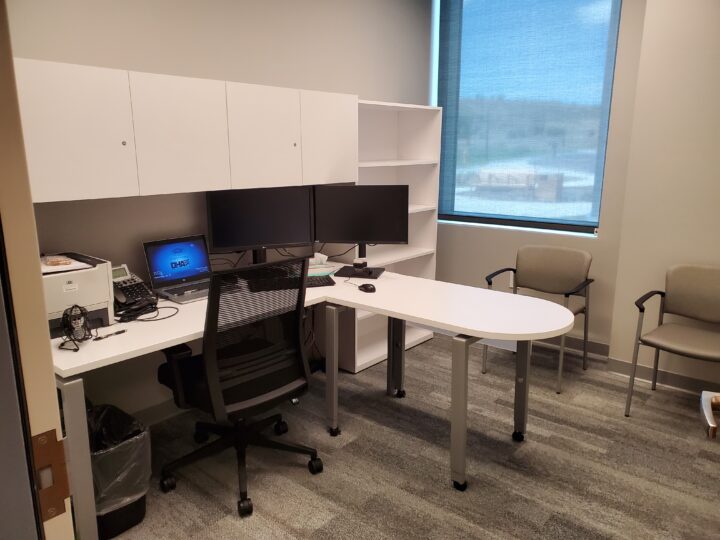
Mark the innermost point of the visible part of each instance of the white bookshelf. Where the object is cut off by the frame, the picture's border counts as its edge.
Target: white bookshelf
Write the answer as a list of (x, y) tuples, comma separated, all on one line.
[(397, 144)]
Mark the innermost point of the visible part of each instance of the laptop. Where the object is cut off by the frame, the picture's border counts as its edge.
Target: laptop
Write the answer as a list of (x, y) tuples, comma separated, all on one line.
[(179, 268)]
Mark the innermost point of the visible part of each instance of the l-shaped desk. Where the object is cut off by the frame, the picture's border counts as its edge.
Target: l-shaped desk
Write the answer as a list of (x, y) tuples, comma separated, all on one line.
[(468, 313)]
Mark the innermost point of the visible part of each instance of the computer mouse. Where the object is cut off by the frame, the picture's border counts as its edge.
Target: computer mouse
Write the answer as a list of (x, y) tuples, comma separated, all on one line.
[(367, 287)]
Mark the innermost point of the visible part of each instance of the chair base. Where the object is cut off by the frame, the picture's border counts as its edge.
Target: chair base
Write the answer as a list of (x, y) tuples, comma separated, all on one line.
[(238, 436)]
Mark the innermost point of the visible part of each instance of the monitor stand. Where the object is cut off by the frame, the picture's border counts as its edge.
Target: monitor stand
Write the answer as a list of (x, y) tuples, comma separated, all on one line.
[(350, 271)]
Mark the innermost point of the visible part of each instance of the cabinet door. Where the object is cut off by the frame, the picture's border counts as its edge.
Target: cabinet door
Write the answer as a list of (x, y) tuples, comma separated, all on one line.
[(329, 137), (181, 133), (264, 135), (77, 126)]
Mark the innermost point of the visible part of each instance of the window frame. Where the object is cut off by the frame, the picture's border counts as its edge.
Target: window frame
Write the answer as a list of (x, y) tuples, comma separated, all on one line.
[(447, 84)]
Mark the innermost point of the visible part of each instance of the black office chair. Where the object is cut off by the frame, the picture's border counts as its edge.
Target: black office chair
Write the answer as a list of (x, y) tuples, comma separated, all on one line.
[(252, 360)]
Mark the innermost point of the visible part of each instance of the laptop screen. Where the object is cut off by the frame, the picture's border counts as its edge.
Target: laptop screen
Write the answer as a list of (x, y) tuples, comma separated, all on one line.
[(178, 260)]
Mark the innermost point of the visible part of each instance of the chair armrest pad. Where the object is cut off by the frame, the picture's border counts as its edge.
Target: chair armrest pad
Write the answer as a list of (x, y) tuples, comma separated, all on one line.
[(490, 277), (640, 302), (582, 286)]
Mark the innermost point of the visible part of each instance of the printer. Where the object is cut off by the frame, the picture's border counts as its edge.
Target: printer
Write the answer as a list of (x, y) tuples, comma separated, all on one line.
[(82, 280)]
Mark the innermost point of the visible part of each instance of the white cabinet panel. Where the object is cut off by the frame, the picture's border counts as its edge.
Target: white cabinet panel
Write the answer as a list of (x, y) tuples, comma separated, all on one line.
[(329, 137), (264, 125), (181, 133), (77, 126)]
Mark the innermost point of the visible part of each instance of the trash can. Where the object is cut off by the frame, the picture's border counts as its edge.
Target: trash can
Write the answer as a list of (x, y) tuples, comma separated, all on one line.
[(120, 454)]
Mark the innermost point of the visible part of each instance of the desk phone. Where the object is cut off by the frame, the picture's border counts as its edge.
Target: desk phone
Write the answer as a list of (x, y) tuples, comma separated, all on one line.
[(130, 291)]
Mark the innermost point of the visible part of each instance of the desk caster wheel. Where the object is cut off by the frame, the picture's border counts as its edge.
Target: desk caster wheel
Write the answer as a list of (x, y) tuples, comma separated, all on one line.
[(245, 507), (334, 431), (201, 437), (518, 436), (167, 484), (460, 487), (281, 427), (400, 394), (315, 465)]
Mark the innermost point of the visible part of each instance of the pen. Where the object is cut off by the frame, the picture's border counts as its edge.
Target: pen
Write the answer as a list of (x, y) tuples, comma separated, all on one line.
[(109, 335)]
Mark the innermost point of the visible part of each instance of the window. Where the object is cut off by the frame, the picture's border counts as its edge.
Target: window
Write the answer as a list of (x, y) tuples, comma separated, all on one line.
[(525, 87)]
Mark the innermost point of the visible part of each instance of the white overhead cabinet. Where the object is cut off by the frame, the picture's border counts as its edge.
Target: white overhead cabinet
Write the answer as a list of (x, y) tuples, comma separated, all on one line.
[(181, 133), (329, 137), (265, 135), (78, 131)]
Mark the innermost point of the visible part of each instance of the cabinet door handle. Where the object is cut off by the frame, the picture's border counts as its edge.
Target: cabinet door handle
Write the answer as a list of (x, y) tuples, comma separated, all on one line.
[(124, 143)]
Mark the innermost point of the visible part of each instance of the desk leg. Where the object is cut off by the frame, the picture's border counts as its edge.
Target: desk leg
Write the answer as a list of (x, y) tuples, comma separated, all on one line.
[(522, 388), (396, 357), (458, 409), (332, 359), (77, 455)]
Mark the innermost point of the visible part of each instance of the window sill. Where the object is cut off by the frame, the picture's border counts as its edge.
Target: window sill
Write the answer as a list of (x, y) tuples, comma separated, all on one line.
[(517, 228)]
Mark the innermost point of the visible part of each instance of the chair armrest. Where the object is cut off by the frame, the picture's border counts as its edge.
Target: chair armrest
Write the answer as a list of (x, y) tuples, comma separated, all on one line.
[(640, 302), (490, 277), (584, 285), (173, 356)]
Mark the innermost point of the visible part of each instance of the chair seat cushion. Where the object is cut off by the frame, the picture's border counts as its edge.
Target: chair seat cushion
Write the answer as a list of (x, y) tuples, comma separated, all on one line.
[(685, 340), (579, 308)]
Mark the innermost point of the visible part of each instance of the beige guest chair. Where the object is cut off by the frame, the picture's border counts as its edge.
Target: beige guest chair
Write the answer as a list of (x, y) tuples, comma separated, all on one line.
[(554, 270), (692, 292)]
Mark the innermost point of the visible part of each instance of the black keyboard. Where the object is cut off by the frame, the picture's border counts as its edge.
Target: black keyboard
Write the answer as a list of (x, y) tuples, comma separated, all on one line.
[(320, 281), (190, 287)]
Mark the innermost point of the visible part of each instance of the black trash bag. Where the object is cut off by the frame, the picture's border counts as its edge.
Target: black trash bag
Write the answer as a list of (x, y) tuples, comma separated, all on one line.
[(108, 426), (120, 455)]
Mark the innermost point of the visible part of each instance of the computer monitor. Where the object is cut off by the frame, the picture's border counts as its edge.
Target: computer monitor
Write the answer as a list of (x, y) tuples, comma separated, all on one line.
[(361, 215), (244, 219), (177, 260)]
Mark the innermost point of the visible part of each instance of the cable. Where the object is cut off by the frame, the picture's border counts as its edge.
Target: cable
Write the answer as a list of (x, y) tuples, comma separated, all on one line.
[(344, 252), (286, 253), (156, 316), (226, 260)]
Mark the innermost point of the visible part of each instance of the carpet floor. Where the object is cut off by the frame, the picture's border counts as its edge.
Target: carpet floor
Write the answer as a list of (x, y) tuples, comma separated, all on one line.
[(584, 470)]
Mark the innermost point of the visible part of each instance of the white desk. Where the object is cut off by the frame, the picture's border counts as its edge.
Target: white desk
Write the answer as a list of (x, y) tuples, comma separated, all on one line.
[(468, 312)]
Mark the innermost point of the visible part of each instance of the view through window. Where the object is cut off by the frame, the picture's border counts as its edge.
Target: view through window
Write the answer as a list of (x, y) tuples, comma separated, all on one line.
[(525, 86)]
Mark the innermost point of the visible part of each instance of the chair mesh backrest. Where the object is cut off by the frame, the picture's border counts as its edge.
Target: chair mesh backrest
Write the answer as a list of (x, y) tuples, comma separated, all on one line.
[(693, 291), (252, 345), (551, 269)]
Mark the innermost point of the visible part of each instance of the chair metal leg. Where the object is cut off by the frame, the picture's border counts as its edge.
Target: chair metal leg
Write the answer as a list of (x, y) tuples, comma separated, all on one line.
[(655, 369), (631, 382), (484, 359), (709, 401), (558, 389), (586, 327)]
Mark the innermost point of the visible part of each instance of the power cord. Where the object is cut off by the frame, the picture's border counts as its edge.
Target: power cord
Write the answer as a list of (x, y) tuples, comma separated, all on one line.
[(343, 253)]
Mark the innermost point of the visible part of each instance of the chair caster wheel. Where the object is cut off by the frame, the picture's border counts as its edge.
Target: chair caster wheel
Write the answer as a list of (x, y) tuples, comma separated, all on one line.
[(334, 431), (460, 487), (201, 437), (400, 394), (281, 427), (167, 483), (315, 465), (518, 436), (245, 507)]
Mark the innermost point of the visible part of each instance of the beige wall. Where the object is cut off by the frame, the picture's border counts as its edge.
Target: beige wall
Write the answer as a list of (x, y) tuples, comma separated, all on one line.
[(377, 49), (672, 200), (468, 253), (21, 246)]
